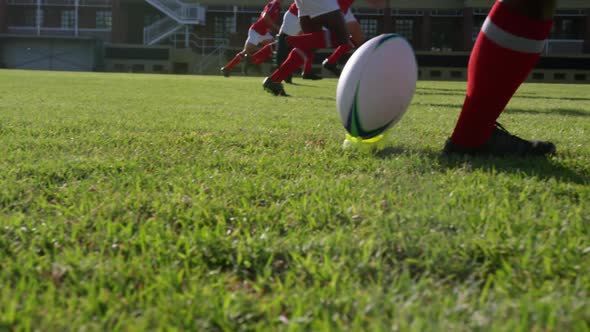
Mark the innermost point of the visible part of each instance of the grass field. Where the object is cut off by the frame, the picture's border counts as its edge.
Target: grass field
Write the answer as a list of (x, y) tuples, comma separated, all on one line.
[(138, 202)]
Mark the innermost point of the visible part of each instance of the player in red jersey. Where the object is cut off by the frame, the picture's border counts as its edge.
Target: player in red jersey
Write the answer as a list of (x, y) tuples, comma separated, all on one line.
[(314, 16), (290, 27), (507, 48), (259, 33)]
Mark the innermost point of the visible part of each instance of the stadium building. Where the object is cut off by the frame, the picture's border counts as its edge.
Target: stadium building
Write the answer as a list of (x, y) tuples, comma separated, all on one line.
[(190, 37)]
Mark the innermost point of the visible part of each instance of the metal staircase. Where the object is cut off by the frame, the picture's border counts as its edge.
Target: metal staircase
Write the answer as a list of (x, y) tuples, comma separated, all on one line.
[(179, 15), (210, 51)]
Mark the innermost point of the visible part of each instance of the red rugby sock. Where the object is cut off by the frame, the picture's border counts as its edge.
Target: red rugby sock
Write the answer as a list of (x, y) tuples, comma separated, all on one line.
[(506, 50), (262, 55), (319, 39), (339, 52), (296, 59), (234, 62)]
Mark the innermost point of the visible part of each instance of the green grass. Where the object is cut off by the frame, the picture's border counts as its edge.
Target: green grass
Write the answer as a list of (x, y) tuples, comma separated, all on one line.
[(136, 202)]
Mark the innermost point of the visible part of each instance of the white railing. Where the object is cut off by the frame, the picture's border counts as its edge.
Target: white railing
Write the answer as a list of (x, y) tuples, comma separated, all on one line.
[(81, 3), (182, 12), (45, 31), (22, 30), (210, 49), (563, 47), (159, 30)]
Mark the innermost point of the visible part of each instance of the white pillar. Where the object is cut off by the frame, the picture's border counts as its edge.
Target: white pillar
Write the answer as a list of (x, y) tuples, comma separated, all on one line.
[(38, 17), (186, 36), (76, 3), (234, 27)]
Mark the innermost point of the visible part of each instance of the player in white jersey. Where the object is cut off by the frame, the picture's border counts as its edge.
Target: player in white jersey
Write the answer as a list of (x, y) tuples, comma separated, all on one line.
[(315, 8)]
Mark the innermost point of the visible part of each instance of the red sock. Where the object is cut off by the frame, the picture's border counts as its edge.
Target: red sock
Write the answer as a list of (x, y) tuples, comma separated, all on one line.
[(234, 62), (295, 60), (262, 55), (506, 51), (319, 39), (338, 53)]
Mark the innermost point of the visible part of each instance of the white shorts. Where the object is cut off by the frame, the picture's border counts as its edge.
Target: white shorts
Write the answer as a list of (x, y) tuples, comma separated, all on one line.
[(291, 26), (315, 8), (348, 17), (255, 38)]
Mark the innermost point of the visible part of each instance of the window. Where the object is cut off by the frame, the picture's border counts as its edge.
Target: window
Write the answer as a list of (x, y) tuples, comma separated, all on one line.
[(444, 34), (369, 26), (30, 18), (405, 28), (104, 19), (68, 19), (478, 22), (568, 29), (223, 26)]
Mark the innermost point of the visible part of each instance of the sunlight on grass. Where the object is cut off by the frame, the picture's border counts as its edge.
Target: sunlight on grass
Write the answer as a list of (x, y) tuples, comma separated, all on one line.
[(201, 203)]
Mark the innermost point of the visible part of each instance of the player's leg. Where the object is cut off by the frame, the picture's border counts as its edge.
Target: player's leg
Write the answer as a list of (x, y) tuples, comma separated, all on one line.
[(357, 37), (314, 36), (249, 47), (289, 27), (308, 73), (264, 53), (283, 50), (508, 47), (296, 58)]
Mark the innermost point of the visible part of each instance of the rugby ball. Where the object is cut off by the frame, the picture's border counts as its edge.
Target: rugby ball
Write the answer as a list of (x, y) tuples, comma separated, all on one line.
[(376, 86)]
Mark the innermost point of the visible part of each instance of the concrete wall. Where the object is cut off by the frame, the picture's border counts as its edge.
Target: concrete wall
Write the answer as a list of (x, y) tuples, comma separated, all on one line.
[(48, 54)]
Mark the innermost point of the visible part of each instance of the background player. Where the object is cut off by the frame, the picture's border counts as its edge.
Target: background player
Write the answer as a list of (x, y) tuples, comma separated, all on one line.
[(290, 27), (357, 37), (507, 48), (259, 33), (314, 16)]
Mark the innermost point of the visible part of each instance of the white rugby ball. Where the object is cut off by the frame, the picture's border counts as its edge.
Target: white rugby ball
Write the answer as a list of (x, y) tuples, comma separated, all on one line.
[(376, 86)]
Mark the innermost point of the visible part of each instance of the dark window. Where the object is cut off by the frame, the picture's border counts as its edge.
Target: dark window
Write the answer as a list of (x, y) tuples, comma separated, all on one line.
[(223, 26), (444, 34), (435, 73), (405, 28), (30, 18), (104, 19), (138, 68), (119, 67), (568, 29), (477, 24), (456, 74), (369, 26), (68, 19)]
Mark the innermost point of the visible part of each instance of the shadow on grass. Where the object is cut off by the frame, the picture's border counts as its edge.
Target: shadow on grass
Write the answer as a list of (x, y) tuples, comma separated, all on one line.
[(541, 167), (555, 111), (558, 111), (441, 105), (521, 95)]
